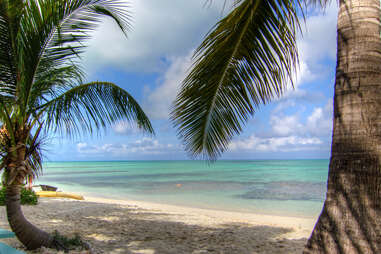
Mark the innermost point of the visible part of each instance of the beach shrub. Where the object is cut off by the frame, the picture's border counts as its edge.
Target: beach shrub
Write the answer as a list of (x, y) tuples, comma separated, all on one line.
[(66, 243), (28, 197)]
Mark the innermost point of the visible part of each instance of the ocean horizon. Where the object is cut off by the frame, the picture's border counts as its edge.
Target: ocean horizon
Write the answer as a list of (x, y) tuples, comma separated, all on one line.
[(276, 187)]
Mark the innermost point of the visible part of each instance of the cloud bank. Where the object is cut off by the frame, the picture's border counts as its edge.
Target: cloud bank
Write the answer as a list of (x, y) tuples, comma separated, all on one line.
[(161, 30)]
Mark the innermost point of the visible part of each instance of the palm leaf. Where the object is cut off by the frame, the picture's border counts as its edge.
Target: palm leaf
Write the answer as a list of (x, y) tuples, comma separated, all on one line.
[(33, 153), (245, 61), (40, 42), (92, 105), (55, 32), (9, 18), (53, 82)]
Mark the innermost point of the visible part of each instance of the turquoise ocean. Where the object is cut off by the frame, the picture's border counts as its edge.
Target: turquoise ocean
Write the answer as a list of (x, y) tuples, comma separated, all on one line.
[(277, 187)]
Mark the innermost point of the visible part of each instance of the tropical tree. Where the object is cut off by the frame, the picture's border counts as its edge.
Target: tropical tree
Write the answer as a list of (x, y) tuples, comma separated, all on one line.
[(248, 58), (42, 89)]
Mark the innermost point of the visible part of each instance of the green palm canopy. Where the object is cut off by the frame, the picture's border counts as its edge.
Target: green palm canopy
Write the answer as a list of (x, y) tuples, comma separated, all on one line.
[(41, 83), (246, 60), (42, 89)]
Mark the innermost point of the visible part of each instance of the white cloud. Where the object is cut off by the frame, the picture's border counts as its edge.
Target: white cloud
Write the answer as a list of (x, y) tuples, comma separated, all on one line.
[(81, 146), (157, 102), (150, 42), (85, 148), (293, 132), (284, 104), (303, 74), (149, 146), (167, 28), (319, 36), (274, 144), (319, 123), (286, 125), (161, 30), (126, 128), (316, 44), (144, 146)]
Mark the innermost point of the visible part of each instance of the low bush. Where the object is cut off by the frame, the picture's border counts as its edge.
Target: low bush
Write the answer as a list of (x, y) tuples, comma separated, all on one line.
[(65, 243), (28, 197)]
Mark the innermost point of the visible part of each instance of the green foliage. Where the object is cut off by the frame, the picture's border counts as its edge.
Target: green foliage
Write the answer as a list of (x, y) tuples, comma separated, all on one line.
[(246, 60), (28, 197), (67, 243), (106, 103), (41, 81)]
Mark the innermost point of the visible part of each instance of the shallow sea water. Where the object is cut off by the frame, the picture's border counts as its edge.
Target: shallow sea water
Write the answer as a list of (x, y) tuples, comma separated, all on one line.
[(278, 187)]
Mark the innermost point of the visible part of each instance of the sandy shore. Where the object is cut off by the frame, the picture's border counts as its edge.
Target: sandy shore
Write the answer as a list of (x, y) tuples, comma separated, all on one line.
[(126, 226)]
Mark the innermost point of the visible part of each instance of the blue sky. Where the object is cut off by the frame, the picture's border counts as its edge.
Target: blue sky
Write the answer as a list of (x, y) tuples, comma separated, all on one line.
[(155, 58)]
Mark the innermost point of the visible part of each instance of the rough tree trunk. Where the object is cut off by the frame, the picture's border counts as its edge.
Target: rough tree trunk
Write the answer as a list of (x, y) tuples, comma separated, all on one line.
[(27, 233), (351, 218)]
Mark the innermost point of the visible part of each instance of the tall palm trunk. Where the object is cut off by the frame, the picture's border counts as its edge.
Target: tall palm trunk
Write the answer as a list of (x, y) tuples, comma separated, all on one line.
[(351, 218), (27, 233)]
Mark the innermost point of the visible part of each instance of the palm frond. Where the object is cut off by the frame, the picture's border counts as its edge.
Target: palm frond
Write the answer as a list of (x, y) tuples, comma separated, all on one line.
[(55, 32), (9, 19), (33, 158), (92, 106), (40, 42), (246, 60), (33, 153), (53, 82)]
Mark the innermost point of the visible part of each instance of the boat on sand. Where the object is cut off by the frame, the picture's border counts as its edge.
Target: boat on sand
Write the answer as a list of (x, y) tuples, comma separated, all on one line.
[(59, 194)]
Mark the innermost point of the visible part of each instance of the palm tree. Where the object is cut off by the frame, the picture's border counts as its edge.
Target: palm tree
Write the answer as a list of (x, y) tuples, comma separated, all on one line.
[(247, 59), (42, 89)]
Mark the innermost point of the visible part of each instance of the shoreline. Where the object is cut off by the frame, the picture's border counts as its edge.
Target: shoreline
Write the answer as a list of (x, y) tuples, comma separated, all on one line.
[(303, 226), (198, 204), (129, 226)]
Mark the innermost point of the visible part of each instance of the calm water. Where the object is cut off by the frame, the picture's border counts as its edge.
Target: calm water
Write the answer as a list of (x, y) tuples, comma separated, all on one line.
[(281, 187)]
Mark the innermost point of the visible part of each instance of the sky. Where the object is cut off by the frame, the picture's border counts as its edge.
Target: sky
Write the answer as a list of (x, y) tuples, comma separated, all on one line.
[(152, 62)]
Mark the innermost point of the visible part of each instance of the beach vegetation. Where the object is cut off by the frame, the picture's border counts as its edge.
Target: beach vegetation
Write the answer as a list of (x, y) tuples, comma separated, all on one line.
[(248, 59), (70, 243), (43, 90), (27, 196)]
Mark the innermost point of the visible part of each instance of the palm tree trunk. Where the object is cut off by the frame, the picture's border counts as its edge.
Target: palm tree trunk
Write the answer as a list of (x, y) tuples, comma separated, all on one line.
[(27, 233), (15, 171), (350, 221)]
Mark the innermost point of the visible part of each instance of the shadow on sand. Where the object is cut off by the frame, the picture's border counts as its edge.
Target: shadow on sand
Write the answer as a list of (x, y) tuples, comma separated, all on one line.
[(111, 228)]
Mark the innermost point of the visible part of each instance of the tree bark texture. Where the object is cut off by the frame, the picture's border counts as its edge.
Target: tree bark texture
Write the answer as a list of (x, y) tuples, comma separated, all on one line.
[(27, 233), (350, 221)]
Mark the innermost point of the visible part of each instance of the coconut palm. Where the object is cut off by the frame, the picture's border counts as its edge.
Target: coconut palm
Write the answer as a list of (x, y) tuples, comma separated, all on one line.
[(248, 58), (42, 89)]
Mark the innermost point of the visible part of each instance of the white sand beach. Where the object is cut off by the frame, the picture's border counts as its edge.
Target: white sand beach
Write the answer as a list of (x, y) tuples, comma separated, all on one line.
[(127, 226)]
